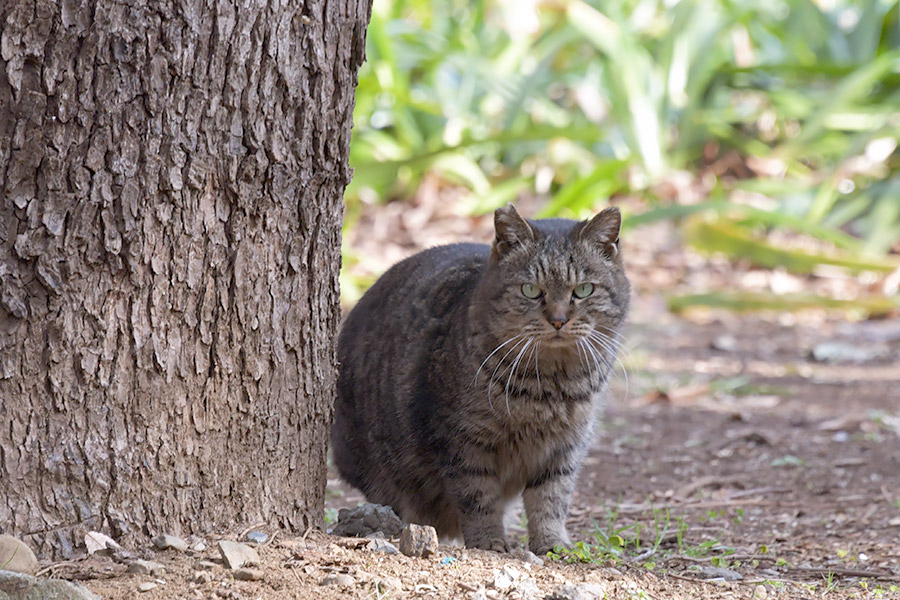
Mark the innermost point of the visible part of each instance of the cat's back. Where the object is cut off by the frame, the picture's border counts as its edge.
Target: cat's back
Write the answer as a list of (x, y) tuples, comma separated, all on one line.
[(423, 287), (385, 342)]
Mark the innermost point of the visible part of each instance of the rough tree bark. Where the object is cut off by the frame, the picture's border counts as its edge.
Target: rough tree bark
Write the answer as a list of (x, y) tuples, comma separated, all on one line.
[(172, 174)]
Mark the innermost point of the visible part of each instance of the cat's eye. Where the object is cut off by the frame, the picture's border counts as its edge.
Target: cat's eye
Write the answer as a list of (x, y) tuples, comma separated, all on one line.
[(529, 290), (583, 290)]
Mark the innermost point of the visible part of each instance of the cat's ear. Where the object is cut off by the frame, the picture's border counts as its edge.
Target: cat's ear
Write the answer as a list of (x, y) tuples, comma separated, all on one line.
[(511, 230), (603, 230)]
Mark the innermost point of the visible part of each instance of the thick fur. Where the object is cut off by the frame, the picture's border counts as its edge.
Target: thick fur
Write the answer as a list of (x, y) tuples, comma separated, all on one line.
[(456, 392)]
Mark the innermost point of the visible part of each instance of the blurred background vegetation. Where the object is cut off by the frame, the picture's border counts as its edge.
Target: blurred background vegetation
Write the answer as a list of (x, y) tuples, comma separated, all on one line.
[(745, 123)]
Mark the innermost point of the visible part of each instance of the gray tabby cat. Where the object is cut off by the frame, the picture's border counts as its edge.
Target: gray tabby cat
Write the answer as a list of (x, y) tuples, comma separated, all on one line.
[(470, 374)]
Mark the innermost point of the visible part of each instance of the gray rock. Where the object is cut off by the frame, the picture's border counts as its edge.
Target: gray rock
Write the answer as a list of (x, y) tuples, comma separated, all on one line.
[(418, 540), (146, 586), (389, 584), (527, 590), (146, 567), (366, 519), (382, 545), (237, 555), (531, 558), (341, 579), (19, 586), (501, 582), (582, 591), (201, 577), (725, 343), (257, 537), (164, 542), (719, 573), (15, 555), (843, 352), (246, 574), (100, 543)]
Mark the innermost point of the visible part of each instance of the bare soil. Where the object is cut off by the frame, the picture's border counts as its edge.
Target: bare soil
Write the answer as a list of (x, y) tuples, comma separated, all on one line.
[(732, 446)]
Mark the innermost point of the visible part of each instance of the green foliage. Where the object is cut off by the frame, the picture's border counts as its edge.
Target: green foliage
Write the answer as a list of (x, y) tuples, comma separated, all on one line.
[(577, 101)]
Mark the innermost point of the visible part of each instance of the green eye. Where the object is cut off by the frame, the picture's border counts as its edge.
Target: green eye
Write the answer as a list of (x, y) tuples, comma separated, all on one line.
[(529, 290), (584, 290)]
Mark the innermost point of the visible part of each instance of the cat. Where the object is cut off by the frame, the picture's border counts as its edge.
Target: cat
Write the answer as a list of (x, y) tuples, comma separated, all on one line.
[(469, 374)]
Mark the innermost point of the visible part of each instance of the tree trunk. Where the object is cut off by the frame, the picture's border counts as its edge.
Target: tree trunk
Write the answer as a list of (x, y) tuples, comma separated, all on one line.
[(172, 175)]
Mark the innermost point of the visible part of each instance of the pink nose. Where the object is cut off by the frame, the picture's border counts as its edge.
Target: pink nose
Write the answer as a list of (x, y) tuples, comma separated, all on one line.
[(558, 322)]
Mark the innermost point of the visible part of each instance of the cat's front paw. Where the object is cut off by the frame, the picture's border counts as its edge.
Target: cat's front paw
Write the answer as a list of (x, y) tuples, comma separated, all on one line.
[(493, 544), (542, 546)]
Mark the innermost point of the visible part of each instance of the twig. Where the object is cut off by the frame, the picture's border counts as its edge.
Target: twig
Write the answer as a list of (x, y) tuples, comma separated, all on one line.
[(49, 568), (684, 492), (249, 529), (696, 580), (887, 496), (762, 490), (294, 573), (841, 572), (728, 557), (271, 539)]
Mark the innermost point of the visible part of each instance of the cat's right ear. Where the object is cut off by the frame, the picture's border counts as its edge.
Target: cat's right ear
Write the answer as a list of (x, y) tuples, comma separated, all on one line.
[(511, 231), (603, 230)]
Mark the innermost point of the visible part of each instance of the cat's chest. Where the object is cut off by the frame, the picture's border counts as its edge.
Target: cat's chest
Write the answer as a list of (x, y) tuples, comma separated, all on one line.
[(530, 430)]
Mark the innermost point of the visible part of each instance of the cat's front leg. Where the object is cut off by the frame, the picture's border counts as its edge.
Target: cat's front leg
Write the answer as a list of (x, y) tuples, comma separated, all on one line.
[(547, 499), (481, 505)]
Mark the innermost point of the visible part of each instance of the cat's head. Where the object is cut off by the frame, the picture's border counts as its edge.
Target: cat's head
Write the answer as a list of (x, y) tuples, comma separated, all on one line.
[(557, 280)]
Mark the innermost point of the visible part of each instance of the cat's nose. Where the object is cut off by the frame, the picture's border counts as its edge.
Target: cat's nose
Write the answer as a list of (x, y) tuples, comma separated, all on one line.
[(558, 322)]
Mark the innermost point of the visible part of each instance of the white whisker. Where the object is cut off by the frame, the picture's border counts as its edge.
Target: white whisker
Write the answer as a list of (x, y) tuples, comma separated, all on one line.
[(611, 346), (512, 371), (475, 380), (490, 385)]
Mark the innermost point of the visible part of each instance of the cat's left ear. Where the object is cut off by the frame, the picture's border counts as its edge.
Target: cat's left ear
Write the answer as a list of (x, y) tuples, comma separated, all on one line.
[(603, 230), (511, 230)]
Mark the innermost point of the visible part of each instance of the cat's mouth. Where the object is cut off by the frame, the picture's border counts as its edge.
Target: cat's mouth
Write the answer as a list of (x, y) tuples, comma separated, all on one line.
[(558, 339)]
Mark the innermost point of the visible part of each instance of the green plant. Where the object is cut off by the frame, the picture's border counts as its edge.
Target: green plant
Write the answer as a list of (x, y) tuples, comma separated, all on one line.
[(596, 100)]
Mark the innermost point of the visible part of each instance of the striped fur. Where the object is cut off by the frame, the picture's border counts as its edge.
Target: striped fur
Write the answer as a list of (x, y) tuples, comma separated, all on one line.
[(456, 393)]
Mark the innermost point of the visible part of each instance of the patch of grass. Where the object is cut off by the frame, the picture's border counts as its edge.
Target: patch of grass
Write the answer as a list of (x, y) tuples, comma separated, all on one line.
[(742, 386), (788, 461), (636, 542)]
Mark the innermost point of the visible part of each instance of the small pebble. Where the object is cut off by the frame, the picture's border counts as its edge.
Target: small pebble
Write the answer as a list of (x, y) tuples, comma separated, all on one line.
[(15, 555), (760, 592), (581, 591), (237, 555), (382, 545), (418, 540), (365, 519), (246, 574), (531, 558), (201, 577), (341, 579), (164, 542), (146, 586), (719, 573), (257, 537), (502, 581), (725, 343), (146, 567), (389, 584)]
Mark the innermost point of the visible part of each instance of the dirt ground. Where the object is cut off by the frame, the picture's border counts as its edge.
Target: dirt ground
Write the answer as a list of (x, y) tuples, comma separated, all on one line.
[(766, 446)]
